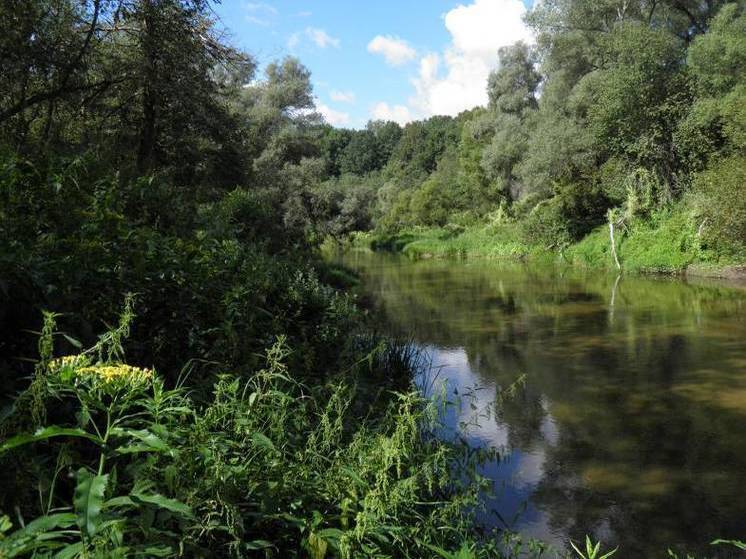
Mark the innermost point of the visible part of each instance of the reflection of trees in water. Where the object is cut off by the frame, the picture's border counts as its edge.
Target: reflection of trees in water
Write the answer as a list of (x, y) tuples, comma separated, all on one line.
[(649, 448)]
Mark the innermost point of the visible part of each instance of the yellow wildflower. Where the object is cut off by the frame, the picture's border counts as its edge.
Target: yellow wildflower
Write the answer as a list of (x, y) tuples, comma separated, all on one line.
[(117, 371), (71, 361)]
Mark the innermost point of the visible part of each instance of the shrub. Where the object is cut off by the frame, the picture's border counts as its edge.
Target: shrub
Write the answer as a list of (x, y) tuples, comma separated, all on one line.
[(721, 202)]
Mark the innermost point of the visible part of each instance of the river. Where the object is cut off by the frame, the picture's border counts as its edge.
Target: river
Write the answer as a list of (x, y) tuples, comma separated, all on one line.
[(630, 424)]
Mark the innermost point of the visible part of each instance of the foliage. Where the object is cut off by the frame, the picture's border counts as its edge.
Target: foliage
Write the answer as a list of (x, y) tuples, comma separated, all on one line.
[(721, 203), (259, 467), (592, 551)]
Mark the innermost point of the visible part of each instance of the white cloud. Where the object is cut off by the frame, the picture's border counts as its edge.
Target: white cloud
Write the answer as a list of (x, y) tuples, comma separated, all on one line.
[(335, 118), (397, 113), (396, 51), (342, 96), (304, 13), (261, 7), (293, 40), (258, 21), (456, 80), (260, 13), (321, 38)]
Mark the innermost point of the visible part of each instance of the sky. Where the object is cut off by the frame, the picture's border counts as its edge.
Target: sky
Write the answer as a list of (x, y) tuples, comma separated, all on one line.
[(382, 59)]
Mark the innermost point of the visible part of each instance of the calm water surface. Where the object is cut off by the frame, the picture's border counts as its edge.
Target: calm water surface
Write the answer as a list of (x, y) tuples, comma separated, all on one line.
[(631, 424)]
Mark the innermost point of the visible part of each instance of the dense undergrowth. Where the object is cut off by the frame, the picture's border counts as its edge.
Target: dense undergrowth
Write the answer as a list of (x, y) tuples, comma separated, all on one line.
[(124, 466), (667, 242)]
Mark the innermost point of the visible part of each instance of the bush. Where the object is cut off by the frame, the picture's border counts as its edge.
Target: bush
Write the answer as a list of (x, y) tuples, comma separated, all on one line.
[(721, 202), (545, 225)]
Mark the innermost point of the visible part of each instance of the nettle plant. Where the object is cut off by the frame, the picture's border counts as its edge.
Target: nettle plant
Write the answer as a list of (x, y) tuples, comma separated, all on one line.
[(121, 411)]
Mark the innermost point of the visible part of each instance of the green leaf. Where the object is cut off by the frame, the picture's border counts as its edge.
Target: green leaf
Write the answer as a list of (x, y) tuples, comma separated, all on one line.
[(263, 441), (440, 551), (88, 500), (160, 501), (47, 523), (735, 543), (73, 341), (149, 442), (37, 534), (115, 502), (70, 551), (47, 433), (258, 544), (354, 475), (5, 524)]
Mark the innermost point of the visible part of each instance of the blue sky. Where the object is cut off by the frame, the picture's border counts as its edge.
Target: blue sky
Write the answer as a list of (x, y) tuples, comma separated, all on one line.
[(397, 60)]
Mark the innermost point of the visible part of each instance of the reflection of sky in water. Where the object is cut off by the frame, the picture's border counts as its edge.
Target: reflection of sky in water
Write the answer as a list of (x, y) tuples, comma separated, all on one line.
[(518, 471)]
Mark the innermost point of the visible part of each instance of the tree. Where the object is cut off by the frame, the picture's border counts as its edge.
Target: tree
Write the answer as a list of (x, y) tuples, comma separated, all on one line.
[(361, 155), (421, 145), (512, 88), (512, 94), (46, 48), (333, 141), (716, 123)]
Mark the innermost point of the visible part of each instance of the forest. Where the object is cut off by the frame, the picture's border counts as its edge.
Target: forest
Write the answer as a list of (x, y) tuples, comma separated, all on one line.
[(185, 375), (623, 114)]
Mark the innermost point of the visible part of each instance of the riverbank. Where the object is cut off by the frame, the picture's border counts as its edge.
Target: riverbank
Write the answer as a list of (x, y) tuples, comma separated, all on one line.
[(670, 245)]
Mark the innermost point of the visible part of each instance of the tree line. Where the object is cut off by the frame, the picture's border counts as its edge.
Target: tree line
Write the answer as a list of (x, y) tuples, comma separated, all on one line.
[(620, 112)]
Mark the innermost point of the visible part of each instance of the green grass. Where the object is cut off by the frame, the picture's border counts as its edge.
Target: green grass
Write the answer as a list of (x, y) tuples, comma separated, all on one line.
[(665, 243), (483, 242)]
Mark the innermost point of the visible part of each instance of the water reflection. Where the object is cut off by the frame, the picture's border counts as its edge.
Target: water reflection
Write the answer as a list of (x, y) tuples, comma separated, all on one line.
[(629, 425)]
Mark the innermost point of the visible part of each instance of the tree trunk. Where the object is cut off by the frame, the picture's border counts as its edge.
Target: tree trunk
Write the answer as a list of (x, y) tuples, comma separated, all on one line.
[(613, 245)]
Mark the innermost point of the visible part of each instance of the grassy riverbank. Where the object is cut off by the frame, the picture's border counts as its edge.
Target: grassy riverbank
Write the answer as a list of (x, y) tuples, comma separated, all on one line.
[(667, 243)]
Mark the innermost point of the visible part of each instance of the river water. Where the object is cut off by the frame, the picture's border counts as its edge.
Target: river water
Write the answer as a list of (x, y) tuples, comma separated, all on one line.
[(630, 423)]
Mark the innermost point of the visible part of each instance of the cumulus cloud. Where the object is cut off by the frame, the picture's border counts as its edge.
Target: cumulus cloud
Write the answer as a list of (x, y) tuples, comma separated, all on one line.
[(396, 51), (321, 38), (342, 96), (455, 80), (397, 113), (335, 118)]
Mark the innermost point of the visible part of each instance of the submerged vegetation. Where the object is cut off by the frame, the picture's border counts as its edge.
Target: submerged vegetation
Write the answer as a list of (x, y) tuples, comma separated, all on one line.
[(242, 406)]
